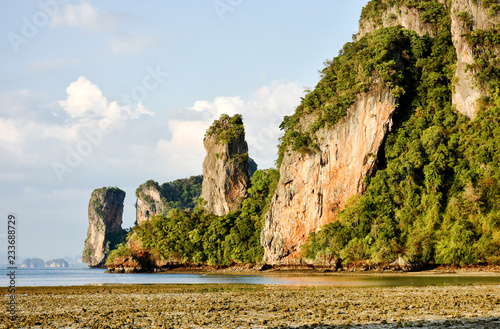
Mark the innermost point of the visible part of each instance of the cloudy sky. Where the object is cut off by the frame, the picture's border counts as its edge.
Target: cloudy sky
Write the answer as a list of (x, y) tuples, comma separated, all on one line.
[(113, 93)]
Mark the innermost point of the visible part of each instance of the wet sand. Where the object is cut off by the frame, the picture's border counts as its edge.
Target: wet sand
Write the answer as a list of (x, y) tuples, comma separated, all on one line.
[(254, 306)]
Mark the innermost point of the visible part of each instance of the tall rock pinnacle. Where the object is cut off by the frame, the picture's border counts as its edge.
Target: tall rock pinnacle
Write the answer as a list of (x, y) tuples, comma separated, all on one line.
[(105, 223), (225, 168)]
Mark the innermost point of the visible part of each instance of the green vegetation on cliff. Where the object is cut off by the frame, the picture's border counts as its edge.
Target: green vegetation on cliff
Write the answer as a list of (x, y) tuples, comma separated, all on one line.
[(486, 48), (227, 128), (119, 250), (491, 6), (199, 237), (432, 11), (437, 199), (182, 193), (179, 194), (383, 56)]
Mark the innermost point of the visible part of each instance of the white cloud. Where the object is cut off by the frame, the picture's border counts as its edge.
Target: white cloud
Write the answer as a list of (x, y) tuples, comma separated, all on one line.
[(183, 153), (28, 135), (84, 98), (9, 135), (87, 103), (85, 15), (18, 103)]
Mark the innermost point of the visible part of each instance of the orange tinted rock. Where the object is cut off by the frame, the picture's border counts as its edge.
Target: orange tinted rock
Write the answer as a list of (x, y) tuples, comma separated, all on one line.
[(315, 185)]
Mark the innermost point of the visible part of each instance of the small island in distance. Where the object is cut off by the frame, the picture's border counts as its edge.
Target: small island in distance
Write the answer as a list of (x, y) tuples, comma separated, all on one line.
[(39, 263), (66, 262)]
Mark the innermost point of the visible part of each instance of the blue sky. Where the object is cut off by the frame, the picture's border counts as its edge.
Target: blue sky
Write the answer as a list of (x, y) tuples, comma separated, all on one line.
[(114, 93)]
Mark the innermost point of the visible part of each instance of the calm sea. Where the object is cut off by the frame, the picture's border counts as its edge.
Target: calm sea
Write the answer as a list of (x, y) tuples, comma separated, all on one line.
[(88, 276)]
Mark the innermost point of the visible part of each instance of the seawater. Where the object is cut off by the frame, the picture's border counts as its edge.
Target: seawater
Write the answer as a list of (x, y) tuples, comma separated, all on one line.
[(87, 276)]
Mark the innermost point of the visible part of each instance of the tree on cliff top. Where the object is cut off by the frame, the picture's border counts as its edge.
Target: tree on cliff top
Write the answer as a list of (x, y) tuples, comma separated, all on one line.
[(227, 129)]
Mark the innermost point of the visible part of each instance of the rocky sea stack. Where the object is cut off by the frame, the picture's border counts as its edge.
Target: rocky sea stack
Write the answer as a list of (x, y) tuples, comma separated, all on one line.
[(225, 168), (149, 202), (105, 225)]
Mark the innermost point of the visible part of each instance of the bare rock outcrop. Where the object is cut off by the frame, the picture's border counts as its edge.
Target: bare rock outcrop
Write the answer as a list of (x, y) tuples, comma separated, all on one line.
[(402, 264), (314, 186), (467, 16), (105, 222), (149, 201), (124, 264), (409, 18), (225, 168)]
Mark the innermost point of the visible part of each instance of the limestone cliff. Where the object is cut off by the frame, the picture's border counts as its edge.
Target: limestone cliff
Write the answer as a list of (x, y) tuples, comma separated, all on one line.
[(105, 223), (314, 186), (225, 168), (408, 17), (315, 183), (154, 199), (149, 201), (467, 16)]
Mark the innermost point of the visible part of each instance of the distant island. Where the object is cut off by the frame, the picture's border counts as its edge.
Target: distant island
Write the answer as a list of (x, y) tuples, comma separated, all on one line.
[(40, 263)]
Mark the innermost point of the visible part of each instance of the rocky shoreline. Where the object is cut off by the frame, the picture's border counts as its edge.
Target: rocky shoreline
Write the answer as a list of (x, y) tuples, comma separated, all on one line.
[(255, 306), (129, 265)]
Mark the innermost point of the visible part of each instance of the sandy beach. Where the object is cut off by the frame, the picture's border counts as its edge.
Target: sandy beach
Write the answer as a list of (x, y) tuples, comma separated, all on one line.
[(254, 306)]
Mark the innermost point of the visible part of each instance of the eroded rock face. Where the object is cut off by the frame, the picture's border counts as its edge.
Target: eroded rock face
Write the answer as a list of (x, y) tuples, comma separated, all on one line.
[(105, 219), (409, 18), (124, 264), (466, 92), (314, 186), (149, 202), (225, 168)]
